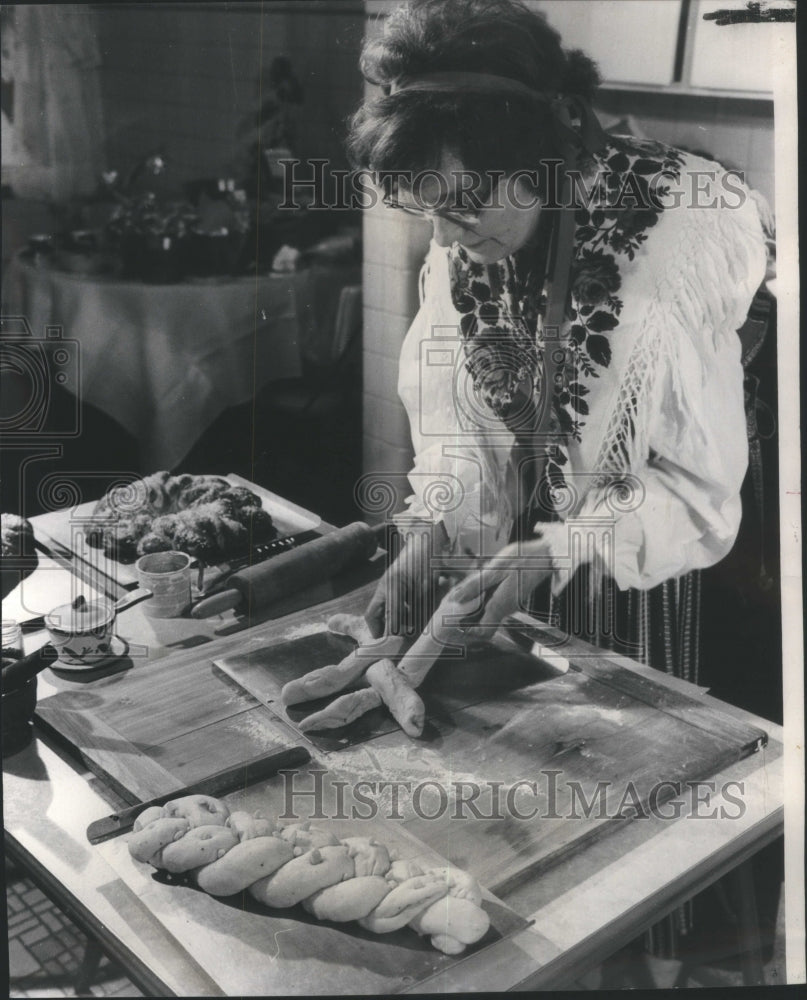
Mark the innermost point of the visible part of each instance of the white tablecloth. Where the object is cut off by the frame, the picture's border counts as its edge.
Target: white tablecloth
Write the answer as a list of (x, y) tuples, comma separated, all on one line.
[(166, 360)]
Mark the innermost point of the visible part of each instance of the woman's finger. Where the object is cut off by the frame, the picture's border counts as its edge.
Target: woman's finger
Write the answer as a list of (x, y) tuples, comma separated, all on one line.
[(376, 613), (353, 626), (501, 603), (477, 585), (398, 695), (445, 629), (514, 594)]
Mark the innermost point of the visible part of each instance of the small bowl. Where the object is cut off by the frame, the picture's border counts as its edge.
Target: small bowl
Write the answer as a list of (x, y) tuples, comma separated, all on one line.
[(82, 637), (18, 708)]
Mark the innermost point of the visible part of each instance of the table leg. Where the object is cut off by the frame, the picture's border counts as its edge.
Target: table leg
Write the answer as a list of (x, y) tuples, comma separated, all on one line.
[(95, 931), (750, 941), (88, 970)]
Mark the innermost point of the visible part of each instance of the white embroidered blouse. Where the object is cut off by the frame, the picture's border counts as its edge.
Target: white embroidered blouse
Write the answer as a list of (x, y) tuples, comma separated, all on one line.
[(670, 400)]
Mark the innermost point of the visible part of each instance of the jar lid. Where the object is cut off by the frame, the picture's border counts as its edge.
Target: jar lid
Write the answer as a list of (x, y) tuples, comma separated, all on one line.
[(92, 615)]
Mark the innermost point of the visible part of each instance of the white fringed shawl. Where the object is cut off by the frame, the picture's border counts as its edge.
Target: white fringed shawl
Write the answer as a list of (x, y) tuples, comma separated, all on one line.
[(662, 450)]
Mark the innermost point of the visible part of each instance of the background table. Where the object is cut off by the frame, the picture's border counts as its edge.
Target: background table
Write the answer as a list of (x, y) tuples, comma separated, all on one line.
[(165, 360)]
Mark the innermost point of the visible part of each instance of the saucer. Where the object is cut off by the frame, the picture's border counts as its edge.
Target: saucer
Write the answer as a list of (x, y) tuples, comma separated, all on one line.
[(118, 648)]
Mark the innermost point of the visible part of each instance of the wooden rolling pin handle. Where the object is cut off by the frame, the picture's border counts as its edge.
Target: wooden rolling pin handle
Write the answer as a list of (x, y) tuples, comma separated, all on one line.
[(217, 604)]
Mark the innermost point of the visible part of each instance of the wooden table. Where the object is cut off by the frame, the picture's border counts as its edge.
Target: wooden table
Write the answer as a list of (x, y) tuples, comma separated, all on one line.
[(583, 908)]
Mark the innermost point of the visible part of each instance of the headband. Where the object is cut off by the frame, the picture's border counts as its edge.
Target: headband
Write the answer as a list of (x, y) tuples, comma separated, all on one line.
[(590, 135), (480, 82)]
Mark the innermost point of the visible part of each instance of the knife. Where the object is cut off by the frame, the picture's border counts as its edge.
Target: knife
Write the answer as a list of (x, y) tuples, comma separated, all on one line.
[(265, 550), (258, 553), (223, 781)]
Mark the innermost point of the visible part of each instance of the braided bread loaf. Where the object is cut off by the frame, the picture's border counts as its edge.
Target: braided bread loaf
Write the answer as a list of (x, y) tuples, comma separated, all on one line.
[(204, 516), (353, 879)]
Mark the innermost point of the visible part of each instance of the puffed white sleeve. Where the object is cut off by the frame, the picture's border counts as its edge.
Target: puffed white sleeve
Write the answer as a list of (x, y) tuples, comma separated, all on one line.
[(683, 510), (452, 477)]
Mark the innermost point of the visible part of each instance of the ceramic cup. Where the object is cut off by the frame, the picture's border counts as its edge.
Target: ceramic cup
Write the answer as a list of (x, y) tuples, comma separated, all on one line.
[(82, 632), (168, 576), (82, 635)]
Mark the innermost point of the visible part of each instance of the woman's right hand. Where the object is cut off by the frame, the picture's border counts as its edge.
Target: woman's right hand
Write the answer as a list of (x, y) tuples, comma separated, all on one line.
[(409, 591)]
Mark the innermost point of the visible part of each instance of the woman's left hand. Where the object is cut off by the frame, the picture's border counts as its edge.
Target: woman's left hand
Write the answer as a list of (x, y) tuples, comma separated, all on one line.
[(477, 605), (480, 603)]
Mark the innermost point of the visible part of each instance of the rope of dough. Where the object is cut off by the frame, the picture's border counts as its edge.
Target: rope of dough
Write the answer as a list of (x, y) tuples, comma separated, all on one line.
[(399, 696), (336, 677), (342, 711)]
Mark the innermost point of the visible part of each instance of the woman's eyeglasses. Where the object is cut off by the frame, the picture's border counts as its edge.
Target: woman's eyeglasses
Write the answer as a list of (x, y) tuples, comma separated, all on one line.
[(466, 218)]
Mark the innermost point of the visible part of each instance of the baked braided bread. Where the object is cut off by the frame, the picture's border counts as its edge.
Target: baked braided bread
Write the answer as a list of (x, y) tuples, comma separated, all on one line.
[(205, 516), (352, 879)]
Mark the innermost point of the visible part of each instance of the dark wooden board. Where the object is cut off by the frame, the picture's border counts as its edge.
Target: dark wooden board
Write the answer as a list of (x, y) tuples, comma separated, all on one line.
[(150, 728), (454, 683), (287, 952), (606, 719), (588, 757), (616, 672)]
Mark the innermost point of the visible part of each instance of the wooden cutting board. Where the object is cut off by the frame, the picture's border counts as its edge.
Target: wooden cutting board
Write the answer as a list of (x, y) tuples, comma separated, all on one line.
[(580, 754), (65, 527), (604, 742), (606, 720), (250, 950), (150, 728)]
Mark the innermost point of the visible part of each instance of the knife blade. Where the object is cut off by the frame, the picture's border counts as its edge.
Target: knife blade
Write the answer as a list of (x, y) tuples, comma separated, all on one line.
[(223, 781), (258, 553), (265, 550)]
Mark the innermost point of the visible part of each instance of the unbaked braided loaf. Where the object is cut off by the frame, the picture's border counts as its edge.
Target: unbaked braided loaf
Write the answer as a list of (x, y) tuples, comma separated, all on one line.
[(205, 516), (352, 879)]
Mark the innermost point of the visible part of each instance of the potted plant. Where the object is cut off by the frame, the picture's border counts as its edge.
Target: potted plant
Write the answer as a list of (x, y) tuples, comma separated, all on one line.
[(151, 236)]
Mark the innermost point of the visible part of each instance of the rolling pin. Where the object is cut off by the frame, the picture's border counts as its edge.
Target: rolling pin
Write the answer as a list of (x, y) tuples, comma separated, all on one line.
[(261, 585)]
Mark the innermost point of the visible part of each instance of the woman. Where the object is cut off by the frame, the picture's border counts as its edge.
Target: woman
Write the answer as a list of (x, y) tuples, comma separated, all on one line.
[(583, 436), (591, 428)]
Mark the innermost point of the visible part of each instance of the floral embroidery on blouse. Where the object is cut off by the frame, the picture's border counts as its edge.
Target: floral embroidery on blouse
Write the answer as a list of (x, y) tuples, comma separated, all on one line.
[(502, 305)]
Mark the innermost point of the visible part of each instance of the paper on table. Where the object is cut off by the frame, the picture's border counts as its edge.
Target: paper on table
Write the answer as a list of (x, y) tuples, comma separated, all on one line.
[(46, 588)]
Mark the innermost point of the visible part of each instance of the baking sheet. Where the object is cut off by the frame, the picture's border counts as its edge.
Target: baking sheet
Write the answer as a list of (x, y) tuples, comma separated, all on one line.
[(452, 684), (249, 950), (66, 528)]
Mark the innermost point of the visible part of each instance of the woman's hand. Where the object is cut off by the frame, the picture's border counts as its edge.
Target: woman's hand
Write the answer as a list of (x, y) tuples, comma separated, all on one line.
[(409, 591), (480, 603), (506, 582)]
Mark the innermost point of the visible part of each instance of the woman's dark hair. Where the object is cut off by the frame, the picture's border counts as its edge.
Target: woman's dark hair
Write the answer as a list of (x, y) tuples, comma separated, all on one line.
[(411, 129)]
